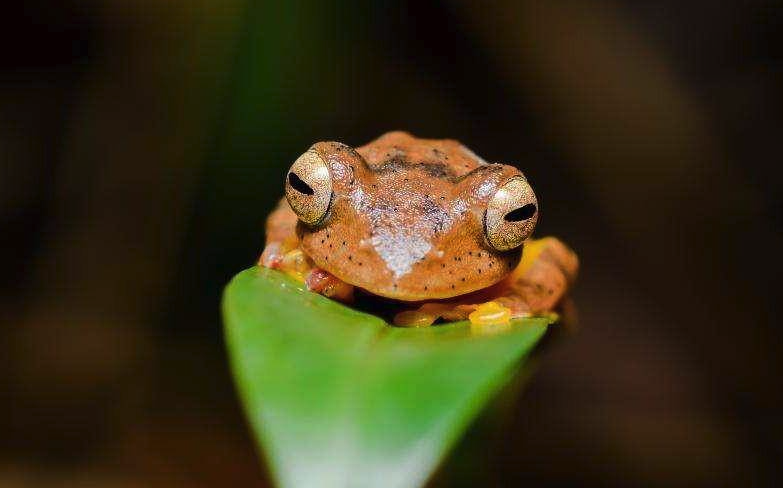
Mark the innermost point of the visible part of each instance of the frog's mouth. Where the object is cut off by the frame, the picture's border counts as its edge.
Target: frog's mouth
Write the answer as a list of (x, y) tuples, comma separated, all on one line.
[(416, 273), (432, 277), (478, 306)]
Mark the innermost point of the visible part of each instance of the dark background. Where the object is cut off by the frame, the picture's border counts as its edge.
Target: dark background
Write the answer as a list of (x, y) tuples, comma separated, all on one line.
[(143, 142)]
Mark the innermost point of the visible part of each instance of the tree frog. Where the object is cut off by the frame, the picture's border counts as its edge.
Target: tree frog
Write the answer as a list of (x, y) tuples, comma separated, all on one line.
[(424, 222)]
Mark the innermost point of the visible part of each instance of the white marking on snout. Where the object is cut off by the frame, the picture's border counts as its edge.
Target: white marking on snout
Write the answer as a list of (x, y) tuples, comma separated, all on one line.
[(400, 250)]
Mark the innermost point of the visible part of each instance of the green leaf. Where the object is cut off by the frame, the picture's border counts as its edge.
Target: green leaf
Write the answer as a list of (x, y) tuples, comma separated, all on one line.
[(337, 398)]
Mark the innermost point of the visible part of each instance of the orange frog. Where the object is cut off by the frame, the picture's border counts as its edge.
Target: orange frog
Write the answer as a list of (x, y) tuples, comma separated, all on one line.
[(424, 222)]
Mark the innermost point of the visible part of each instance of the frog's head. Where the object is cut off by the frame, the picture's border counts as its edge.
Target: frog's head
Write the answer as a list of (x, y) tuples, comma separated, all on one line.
[(406, 221)]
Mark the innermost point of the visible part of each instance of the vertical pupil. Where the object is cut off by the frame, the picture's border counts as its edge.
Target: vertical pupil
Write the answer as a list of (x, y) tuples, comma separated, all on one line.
[(298, 184)]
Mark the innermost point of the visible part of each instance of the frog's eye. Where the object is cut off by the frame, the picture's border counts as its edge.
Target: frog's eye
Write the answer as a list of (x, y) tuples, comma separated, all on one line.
[(308, 187), (511, 214)]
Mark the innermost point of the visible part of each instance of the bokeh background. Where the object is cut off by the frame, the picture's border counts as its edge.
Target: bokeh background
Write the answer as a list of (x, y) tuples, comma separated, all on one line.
[(142, 143)]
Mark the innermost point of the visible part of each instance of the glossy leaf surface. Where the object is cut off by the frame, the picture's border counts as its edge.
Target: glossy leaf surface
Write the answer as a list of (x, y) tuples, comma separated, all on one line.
[(337, 398)]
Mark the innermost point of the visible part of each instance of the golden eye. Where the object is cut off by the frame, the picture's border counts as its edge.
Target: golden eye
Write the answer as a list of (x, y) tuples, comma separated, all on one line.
[(308, 188), (511, 214)]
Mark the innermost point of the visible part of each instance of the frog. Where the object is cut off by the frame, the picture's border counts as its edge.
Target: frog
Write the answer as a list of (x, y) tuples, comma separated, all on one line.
[(423, 223)]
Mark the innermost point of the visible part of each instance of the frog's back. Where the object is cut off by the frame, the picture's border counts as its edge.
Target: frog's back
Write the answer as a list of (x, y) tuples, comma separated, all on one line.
[(441, 158)]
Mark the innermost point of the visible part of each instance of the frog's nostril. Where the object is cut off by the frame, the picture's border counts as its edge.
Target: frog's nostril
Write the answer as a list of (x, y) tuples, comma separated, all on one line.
[(298, 184), (521, 213)]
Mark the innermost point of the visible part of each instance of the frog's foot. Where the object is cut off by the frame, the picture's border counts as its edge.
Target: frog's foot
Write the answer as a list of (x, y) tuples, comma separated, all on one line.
[(275, 251), (288, 258), (493, 312)]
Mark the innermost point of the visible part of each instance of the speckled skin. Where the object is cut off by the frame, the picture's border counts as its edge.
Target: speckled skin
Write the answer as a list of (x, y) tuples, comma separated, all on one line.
[(406, 219)]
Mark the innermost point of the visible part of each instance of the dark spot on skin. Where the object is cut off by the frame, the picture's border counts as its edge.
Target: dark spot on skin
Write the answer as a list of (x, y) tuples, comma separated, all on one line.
[(455, 258), (343, 243), (452, 286), (551, 292), (398, 163), (479, 254), (395, 286), (442, 265), (330, 246), (360, 263), (490, 264), (426, 288), (470, 253), (350, 258), (326, 258), (323, 240), (479, 271), (463, 278)]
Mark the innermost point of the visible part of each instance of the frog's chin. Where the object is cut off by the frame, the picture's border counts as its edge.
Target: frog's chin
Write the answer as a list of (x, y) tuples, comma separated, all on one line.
[(467, 292)]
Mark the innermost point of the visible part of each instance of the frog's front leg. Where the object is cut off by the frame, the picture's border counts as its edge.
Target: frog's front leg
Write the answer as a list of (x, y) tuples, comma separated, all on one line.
[(536, 287), (543, 277), (282, 251), (541, 280)]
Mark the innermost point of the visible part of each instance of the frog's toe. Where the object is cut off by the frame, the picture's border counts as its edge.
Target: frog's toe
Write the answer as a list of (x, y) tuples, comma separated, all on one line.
[(328, 285), (490, 313), (415, 318)]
